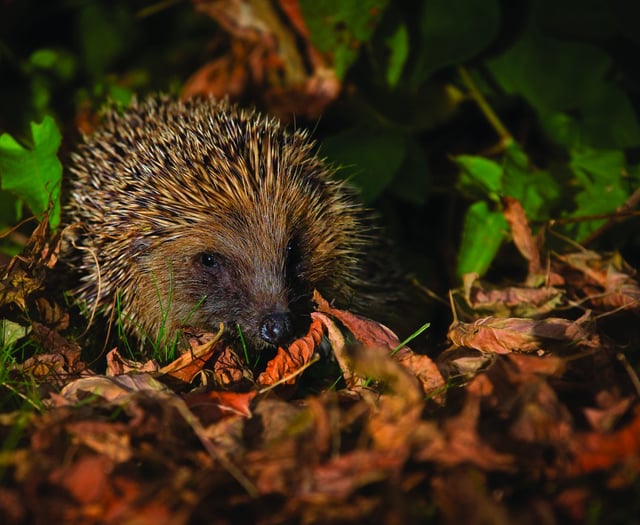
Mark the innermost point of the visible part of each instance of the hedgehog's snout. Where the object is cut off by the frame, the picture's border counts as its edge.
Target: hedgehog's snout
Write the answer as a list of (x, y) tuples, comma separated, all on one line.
[(277, 328)]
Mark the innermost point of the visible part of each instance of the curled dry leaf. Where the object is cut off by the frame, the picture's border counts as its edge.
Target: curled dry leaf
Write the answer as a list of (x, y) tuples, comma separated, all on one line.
[(217, 404), (508, 301), (502, 336), (607, 282), (374, 335), (298, 354), (118, 390), (230, 369), (25, 272), (523, 238), (117, 365), (203, 345)]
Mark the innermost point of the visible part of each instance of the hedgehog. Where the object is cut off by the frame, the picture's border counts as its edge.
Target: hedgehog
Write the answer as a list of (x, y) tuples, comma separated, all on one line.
[(199, 212)]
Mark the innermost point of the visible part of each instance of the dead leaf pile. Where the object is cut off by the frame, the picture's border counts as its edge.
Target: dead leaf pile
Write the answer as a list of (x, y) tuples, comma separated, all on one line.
[(530, 415)]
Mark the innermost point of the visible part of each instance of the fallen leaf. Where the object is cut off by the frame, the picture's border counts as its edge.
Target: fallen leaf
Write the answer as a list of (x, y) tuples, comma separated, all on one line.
[(502, 336), (203, 346), (523, 238), (283, 367), (118, 365)]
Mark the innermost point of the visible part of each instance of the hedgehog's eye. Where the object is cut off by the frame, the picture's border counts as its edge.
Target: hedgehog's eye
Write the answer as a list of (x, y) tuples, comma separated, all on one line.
[(293, 258), (210, 260)]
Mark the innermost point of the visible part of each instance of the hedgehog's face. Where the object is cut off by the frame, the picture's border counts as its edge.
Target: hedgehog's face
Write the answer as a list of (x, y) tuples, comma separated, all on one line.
[(270, 305), (256, 278)]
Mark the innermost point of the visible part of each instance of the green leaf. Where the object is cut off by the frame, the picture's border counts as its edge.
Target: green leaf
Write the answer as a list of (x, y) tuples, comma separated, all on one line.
[(551, 73), (453, 31), (398, 44), (60, 62), (535, 189), (482, 235), (600, 175), (480, 177), (105, 33), (562, 129), (34, 175), (340, 28), (370, 158), (609, 120)]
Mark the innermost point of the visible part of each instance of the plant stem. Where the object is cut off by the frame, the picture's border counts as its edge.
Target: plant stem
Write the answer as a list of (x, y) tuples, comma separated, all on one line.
[(505, 137)]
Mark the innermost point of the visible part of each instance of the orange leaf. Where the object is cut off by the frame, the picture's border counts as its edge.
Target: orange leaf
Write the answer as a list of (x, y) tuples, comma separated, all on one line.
[(287, 361)]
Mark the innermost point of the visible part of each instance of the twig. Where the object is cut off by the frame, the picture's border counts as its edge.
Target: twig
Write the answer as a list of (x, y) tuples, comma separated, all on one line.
[(626, 209)]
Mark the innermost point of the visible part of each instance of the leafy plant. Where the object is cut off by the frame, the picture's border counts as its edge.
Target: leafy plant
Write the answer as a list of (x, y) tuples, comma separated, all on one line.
[(32, 174)]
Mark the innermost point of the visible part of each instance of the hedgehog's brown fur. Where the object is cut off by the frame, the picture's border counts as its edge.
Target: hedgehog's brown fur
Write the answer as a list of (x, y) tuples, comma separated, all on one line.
[(199, 212)]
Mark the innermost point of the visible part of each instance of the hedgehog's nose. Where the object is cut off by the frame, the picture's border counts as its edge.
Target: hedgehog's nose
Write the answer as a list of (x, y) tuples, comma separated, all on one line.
[(277, 328)]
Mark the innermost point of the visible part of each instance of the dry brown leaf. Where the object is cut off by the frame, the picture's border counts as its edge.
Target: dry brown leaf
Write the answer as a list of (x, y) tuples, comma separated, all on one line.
[(377, 336), (288, 361), (118, 365), (609, 411), (217, 404), (229, 369), (465, 498), (460, 442), (477, 299), (523, 238), (87, 479), (344, 474), (105, 438), (547, 365), (427, 373), (203, 346), (503, 336), (612, 452), (541, 418), (365, 331), (118, 390), (607, 281)]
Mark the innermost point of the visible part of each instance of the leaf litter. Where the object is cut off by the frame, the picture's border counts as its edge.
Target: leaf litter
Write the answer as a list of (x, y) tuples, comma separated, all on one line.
[(529, 415)]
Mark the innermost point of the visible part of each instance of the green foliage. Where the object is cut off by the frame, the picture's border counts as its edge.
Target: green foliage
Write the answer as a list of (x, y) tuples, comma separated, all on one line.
[(339, 28), (451, 32), (33, 174), (369, 158), (482, 235)]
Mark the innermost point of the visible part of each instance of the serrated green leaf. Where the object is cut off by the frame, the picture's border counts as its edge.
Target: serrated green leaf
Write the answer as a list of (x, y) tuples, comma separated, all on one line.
[(480, 177), (453, 31), (34, 175), (339, 28), (369, 158), (482, 235), (603, 191), (536, 189)]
